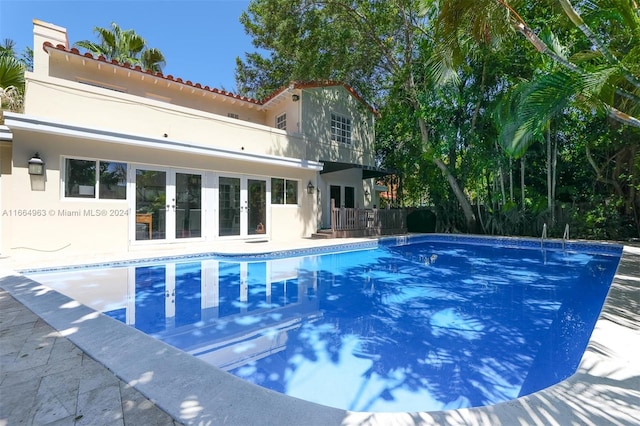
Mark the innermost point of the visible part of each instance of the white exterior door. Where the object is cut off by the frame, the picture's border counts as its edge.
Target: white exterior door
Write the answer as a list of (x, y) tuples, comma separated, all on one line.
[(167, 204), (242, 206)]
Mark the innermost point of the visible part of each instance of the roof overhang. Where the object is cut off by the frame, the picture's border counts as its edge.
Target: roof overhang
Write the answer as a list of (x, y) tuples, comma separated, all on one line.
[(35, 124), (5, 134), (368, 172)]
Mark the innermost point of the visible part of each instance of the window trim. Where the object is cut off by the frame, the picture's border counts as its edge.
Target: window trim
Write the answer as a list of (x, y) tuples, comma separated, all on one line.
[(284, 192), (281, 124), (96, 186), (341, 129)]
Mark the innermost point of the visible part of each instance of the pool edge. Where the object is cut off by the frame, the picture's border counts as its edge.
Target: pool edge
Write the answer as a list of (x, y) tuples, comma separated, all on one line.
[(607, 370)]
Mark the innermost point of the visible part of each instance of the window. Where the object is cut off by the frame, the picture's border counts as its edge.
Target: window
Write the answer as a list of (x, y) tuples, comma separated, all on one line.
[(233, 115), (340, 129), (103, 85), (281, 122), (83, 177), (284, 191)]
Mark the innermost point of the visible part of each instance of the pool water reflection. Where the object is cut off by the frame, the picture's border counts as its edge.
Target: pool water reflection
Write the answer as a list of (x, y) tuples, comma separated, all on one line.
[(417, 327)]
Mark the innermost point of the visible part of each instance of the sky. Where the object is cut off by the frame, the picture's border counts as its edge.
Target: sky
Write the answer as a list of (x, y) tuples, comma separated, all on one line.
[(199, 39)]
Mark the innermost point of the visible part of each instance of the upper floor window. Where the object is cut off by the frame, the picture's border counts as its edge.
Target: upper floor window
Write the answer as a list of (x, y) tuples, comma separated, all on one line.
[(281, 122), (284, 191), (103, 85), (106, 180), (233, 115), (340, 128)]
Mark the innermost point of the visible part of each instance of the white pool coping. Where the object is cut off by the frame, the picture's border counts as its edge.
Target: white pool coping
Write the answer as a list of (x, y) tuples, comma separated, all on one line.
[(604, 390)]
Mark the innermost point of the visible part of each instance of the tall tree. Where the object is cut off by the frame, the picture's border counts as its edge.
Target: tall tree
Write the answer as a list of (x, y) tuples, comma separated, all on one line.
[(601, 75), (373, 46), (125, 46)]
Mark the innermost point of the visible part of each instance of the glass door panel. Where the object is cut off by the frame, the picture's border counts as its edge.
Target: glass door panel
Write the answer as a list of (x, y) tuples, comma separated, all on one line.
[(151, 211), (229, 206), (334, 193), (257, 206), (188, 217), (349, 197)]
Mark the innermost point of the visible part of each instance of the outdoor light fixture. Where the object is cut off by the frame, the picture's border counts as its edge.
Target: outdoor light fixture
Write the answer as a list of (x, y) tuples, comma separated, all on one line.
[(366, 192), (36, 165), (295, 98), (310, 188)]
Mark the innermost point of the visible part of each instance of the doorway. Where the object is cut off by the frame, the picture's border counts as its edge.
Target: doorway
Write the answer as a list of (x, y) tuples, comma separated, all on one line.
[(168, 204), (242, 206)]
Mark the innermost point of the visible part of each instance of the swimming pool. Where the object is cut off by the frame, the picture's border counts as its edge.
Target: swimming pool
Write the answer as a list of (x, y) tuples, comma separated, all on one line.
[(402, 327)]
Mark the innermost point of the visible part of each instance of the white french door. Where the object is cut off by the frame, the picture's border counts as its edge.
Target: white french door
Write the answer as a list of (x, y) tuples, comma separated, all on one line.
[(242, 206), (167, 204)]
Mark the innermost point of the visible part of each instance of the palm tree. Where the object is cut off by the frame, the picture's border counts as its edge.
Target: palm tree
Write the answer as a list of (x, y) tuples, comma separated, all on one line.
[(11, 78), (125, 46), (601, 73), (597, 77)]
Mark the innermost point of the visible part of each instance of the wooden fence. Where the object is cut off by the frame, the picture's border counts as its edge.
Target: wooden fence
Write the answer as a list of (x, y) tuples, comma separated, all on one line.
[(356, 222)]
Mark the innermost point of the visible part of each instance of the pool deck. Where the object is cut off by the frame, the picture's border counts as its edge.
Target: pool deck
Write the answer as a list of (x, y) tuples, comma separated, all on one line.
[(62, 363)]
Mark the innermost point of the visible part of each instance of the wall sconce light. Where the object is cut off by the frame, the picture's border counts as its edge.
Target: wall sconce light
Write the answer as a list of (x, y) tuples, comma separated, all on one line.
[(36, 165), (295, 98), (310, 188)]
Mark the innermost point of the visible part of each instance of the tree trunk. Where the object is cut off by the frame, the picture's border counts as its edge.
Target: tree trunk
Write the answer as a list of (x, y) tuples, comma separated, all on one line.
[(549, 173), (489, 185), (464, 202), (554, 179), (522, 182), (501, 174), (510, 179)]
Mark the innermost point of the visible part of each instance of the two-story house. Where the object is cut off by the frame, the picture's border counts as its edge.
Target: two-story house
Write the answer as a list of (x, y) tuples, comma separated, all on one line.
[(109, 158)]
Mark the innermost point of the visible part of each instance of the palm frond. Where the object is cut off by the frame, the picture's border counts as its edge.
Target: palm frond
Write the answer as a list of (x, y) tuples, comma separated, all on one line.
[(11, 72), (530, 107)]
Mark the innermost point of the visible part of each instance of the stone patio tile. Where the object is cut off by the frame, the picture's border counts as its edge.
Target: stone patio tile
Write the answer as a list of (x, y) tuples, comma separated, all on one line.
[(64, 349), (138, 410), (66, 421), (12, 344), (63, 387), (53, 405), (29, 356), (13, 378), (17, 318), (22, 330), (95, 376), (67, 366), (100, 407), (17, 401)]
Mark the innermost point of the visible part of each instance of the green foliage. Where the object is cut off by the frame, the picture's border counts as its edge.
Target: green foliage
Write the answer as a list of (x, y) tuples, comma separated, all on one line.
[(12, 81), (461, 97), (422, 220), (347, 41), (125, 46)]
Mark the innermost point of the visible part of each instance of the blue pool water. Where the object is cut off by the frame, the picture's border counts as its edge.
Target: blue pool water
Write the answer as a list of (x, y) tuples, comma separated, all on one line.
[(414, 327)]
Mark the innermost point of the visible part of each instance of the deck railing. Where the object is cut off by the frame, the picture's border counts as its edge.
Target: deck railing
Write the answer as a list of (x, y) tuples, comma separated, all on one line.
[(361, 222)]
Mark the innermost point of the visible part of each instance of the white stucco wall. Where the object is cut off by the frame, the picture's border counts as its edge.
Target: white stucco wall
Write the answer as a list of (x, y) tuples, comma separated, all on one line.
[(318, 104), (44, 222), (83, 108)]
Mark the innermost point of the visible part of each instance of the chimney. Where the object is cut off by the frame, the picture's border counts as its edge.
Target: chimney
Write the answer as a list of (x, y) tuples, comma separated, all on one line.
[(43, 32)]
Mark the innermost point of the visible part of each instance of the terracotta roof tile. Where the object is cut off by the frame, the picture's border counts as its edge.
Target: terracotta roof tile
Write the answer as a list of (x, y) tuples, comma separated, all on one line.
[(296, 85), (320, 83)]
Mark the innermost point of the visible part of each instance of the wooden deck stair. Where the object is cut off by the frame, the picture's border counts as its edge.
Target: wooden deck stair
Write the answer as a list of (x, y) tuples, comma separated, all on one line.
[(323, 234)]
